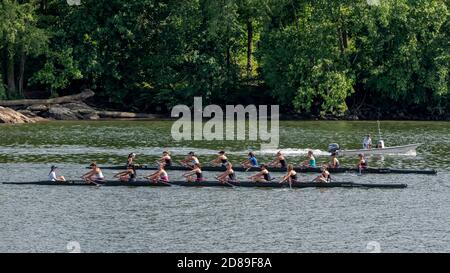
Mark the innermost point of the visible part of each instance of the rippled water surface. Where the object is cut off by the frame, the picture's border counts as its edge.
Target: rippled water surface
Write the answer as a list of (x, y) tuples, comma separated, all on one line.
[(175, 219)]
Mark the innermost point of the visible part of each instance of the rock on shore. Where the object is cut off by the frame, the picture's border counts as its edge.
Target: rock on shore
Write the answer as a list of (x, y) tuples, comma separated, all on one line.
[(8, 115), (78, 111), (62, 108)]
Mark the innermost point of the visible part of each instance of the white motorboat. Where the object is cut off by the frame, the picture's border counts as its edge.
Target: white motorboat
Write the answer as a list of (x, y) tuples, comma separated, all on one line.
[(409, 149)]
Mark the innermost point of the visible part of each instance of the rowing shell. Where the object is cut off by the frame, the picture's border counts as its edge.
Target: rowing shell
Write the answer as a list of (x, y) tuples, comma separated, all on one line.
[(394, 150), (245, 184), (275, 169)]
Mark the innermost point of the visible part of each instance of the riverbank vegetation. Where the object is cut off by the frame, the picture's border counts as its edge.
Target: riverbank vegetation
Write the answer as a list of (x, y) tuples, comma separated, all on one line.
[(366, 58)]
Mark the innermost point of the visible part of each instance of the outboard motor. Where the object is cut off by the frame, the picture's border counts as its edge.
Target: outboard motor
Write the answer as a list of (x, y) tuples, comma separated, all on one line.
[(333, 147)]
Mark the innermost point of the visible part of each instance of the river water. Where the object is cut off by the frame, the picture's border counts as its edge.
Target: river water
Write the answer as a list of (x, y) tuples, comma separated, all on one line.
[(178, 219)]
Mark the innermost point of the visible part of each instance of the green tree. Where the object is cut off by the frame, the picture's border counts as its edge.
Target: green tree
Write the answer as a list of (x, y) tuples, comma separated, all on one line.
[(403, 57), (21, 38), (304, 55), (2, 89)]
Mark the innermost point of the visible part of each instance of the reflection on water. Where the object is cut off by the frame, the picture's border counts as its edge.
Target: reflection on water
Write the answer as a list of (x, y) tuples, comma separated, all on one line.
[(176, 219), (109, 142)]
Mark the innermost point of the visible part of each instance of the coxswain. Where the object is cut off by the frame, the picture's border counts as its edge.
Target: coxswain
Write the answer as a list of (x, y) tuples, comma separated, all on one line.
[(53, 177)]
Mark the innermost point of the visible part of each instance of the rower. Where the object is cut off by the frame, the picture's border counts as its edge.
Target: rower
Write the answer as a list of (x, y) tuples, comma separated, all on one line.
[(362, 163), (262, 176), (95, 175), (221, 160), (367, 142), (131, 158), (166, 159), (334, 163), (195, 175), (52, 175), (280, 161), (324, 177), (160, 175), (190, 160), (129, 175), (311, 161), (228, 176), (250, 162), (291, 175)]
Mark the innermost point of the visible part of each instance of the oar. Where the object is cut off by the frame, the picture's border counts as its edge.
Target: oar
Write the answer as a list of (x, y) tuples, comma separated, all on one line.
[(225, 182), (90, 181), (290, 182), (186, 165), (165, 183), (158, 181), (360, 170)]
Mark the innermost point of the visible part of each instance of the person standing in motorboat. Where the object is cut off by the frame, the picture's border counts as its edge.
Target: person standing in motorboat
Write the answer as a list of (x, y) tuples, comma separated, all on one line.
[(367, 142)]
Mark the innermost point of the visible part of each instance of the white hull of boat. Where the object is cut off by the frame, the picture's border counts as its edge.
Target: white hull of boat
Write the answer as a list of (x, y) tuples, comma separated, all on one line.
[(394, 150)]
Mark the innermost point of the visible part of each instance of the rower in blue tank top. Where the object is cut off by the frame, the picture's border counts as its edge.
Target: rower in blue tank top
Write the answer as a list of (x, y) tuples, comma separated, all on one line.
[(250, 162)]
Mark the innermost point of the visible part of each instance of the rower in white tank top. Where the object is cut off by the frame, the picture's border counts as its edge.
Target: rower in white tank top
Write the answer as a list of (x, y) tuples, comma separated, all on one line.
[(53, 177), (95, 175), (99, 175)]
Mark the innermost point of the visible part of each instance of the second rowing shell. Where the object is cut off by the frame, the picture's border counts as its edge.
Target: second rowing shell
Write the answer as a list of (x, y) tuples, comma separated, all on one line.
[(246, 184), (275, 169)]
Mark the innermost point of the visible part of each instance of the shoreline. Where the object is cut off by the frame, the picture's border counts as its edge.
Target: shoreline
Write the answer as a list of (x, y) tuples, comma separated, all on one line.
[(164, 118), (83, 112)]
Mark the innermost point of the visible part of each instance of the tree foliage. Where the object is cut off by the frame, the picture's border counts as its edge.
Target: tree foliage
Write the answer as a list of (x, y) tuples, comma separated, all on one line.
[(310, 56)]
